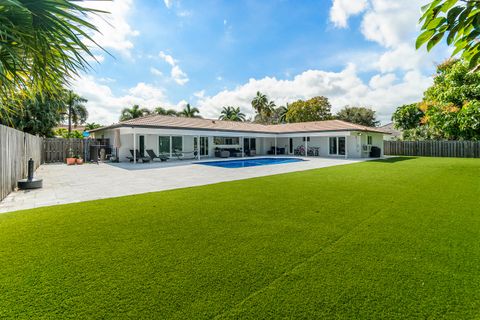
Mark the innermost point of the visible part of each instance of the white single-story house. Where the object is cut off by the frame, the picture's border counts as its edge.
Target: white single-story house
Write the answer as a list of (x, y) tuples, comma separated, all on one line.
[(204, 138)]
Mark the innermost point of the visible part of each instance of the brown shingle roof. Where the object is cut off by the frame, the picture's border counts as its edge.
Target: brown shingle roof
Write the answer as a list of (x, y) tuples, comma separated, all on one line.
[(158, 121)]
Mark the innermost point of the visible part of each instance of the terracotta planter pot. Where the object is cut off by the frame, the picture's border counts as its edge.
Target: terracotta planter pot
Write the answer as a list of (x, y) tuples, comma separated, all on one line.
[(71, 161), (79, 161)]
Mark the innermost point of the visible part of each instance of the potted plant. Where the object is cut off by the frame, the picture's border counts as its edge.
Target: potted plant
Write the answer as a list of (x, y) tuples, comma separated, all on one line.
[(79, 159), (70, 158)]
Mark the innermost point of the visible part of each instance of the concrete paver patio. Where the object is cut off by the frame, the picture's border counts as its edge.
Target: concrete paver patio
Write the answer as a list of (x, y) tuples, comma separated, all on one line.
[(67, 184)]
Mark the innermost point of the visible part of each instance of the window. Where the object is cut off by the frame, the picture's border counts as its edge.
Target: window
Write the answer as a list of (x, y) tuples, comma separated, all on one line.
[(249, 144), (308, 139), (142, 146), (369, 140), (341, 146), (337, 146), (177, 143), (203, 145), (164, 144), (226, 141), (333, 145)]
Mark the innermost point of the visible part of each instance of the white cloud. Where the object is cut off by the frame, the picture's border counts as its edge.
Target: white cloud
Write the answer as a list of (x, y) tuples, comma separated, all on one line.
[(168, 3), (341, 10), (176, 72), (156, 72), (115, 31), (199, 94), (390, 23), (379, 81), (104, 105), (167, 58), (383, 93)]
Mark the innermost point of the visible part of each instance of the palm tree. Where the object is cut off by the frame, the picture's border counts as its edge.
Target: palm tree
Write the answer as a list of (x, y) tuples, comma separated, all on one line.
[(190, 112), (133, 113), (282, 113), (232, 114), (44, 43), (269, 109), (165, 112), (259, 102), (75, 109), (92, 126)]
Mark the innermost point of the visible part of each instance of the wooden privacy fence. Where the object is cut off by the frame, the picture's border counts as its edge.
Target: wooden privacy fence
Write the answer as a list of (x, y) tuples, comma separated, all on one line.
[(16, 148), (57, 149), (431, 148)]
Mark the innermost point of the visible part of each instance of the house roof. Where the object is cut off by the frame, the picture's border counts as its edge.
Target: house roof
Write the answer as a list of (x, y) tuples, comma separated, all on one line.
[(391, 129), (159, 121)]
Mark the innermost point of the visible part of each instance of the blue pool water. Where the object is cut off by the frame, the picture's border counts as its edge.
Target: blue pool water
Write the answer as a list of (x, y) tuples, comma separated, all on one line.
[(249, 162)]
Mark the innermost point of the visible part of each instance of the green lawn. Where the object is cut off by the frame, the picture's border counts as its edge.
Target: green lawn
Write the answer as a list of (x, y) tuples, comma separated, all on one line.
[(382, 239)]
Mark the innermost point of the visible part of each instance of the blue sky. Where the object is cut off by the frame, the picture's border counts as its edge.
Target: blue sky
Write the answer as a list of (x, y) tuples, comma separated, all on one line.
[(217, 53)]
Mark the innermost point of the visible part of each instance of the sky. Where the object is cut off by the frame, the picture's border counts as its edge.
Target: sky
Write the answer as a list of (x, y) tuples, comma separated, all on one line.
[(215, 53)]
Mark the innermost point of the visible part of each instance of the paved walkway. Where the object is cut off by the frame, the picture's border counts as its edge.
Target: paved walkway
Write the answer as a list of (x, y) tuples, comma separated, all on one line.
[(66, 184)]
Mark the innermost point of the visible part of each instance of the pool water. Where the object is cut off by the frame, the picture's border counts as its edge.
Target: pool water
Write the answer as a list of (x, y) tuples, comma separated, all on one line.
[(249, 162)]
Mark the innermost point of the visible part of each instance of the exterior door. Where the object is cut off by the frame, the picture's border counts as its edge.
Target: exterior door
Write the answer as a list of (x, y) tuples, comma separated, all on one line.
[(164, 145), (290, 146), (203, 145), (341, 146), (142, 146)]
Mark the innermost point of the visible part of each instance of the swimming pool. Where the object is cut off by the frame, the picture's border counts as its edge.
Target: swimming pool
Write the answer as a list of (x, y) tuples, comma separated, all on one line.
[(249, 162)]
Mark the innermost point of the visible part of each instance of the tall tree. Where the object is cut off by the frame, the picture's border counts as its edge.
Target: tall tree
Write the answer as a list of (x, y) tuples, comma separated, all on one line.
[(450, 108), (359, 115), (459, 20), (232, 114), (263, 107), (165, 112), (282, 113), (38, 115), (92, 126), (314, 109), (76, 111), (133, 113), (42, 43), (190, 112), (259, 102)]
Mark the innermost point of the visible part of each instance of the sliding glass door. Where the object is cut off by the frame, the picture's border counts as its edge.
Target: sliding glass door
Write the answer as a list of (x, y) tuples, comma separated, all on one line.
[(164, 145), (203, 145), (337, 146)]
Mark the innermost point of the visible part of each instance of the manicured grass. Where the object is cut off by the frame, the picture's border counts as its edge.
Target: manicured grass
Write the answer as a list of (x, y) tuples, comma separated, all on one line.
[(383, 239)]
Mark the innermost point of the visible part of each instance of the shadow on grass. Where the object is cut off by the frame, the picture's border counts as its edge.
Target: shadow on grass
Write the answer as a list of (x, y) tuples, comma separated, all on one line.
[(395, 159)]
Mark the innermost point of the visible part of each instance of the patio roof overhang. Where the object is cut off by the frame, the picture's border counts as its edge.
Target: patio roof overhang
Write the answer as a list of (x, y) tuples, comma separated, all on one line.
[(229, 133)]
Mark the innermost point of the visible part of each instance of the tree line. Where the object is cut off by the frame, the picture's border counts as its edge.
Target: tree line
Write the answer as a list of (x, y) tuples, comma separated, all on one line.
[(267, 112), (450, 108)]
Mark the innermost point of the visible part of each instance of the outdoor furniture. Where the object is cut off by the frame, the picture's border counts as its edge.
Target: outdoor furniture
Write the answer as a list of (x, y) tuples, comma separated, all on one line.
[(238, 154), (279, 150), (224, 154), (143, 159), (185, 155), (153, 156)]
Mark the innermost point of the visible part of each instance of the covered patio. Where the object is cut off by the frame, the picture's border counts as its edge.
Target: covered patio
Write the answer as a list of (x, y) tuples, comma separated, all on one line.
[(190, 138)]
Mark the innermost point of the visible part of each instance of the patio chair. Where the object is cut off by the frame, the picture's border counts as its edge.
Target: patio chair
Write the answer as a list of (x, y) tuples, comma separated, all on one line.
[(143, 159), (184, 155), (153, 156)]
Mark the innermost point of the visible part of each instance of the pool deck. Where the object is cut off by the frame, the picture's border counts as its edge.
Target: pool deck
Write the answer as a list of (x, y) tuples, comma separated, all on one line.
[(68, 184)]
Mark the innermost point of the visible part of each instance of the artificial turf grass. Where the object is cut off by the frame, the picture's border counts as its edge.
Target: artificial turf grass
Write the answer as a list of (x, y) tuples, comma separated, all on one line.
[(378, 239)]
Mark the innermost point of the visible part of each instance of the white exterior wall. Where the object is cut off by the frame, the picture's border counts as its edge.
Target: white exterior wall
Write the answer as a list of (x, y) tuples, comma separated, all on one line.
[(354, 140)]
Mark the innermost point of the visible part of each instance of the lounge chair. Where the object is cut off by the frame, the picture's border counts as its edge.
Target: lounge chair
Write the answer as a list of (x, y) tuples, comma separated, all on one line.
[(153, 156), (143, 159), (184, 155)]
